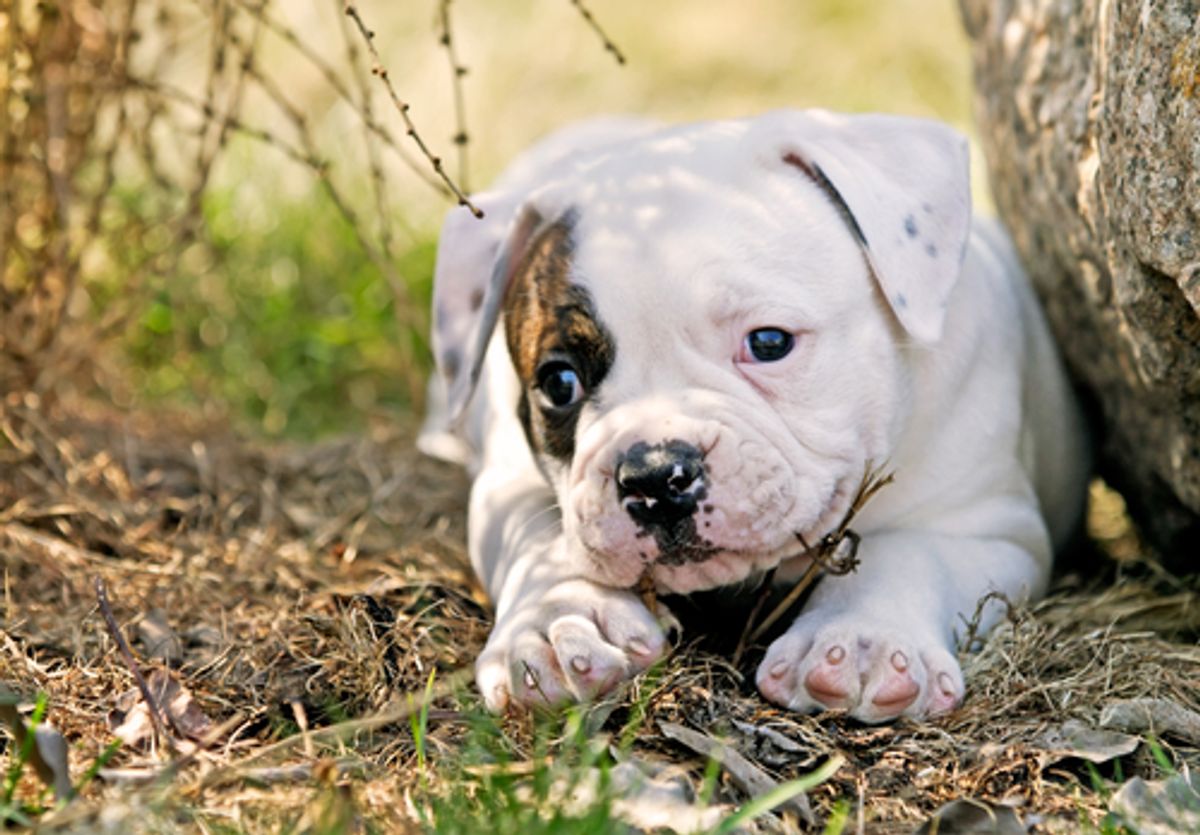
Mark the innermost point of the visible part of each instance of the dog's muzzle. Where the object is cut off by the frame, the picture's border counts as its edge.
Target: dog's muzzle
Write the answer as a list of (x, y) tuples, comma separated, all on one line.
[(661, 485)]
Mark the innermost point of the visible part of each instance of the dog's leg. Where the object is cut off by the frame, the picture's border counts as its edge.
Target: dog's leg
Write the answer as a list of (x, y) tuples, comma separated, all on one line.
[(880, 642), (557, 637)]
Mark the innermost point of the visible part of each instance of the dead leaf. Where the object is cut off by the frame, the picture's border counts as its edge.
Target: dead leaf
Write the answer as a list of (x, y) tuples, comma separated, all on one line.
[(48, 755), (746, 775), (643, 801), (1161, 716), (967, 816), (1076, 740), (780, 741), (654, 804), (202, 644), (159, 640), (132, 723), (1161, 807)]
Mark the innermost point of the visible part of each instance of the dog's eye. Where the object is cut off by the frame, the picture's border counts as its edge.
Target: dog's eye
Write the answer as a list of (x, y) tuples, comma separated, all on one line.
[(766, 345), (559, 384)]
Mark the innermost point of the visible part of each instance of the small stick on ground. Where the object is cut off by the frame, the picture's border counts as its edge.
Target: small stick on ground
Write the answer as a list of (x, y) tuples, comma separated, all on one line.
[(157, 715), (745, 774), (973, 631)]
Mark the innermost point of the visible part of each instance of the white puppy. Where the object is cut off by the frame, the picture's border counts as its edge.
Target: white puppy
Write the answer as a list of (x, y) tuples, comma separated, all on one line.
[(708, 332)]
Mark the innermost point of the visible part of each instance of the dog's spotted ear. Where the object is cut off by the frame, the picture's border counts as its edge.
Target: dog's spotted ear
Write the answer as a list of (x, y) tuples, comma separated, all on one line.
[(476, 262), (904, 186), (476, 257)]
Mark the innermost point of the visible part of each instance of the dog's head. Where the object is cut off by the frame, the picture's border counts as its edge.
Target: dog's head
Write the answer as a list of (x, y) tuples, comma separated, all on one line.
[(709, 325)]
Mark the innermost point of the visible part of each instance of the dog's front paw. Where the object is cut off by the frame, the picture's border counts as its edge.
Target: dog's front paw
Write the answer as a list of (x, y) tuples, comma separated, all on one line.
[(875, 671), (574, 642)]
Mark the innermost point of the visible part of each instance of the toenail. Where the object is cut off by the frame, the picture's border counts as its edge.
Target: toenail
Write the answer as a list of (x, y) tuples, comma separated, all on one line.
[(778, 669), (581, 663), (530, 679), (638, 647), (899, 660), (836, 655), (946, 683)]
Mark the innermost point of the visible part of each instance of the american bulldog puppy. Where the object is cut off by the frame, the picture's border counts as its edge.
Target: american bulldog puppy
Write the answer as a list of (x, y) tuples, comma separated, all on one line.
[(671, 353)]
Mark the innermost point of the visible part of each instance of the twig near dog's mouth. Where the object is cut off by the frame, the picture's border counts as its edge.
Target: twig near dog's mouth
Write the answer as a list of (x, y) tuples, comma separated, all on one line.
[(836, 554), (646, 590)]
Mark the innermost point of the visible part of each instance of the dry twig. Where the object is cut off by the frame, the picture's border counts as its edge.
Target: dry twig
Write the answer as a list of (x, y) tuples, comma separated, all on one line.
[(360, 106), (609, 46), (157, 714), (749, 777), (380, 71), (457, 72), (836, 553)]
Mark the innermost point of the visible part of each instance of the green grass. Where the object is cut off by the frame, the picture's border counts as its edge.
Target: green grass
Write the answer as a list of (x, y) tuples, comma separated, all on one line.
[(13, 810), (287, 323), (564, 785), (486, 790), (22, 810)]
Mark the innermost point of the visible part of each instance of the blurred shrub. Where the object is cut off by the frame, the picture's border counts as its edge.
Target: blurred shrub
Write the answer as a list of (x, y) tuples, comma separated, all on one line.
[(55, 82), (287, 324), (150, 203)]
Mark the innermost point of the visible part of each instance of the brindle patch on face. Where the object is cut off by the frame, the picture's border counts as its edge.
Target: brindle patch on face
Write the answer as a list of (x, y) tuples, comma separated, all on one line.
[(547, 318)]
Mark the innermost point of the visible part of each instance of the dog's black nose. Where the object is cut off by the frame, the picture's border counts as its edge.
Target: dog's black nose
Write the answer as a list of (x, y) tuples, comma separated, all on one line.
[(660, 484)]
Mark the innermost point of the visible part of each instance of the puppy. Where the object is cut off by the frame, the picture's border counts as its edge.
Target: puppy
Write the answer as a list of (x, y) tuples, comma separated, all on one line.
[(709, 334)]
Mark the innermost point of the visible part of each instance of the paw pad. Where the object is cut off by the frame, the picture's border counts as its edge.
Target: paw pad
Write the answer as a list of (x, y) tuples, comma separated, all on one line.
[(876, 671)]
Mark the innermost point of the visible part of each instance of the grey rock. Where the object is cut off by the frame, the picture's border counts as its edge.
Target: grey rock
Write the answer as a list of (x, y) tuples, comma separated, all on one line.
[(1089, 114)]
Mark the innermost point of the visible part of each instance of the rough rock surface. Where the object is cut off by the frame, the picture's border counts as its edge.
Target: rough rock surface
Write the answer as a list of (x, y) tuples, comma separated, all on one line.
[(1089, 113)]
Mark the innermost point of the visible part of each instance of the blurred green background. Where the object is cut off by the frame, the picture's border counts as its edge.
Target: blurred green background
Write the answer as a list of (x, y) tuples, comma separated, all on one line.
[(270, 310)]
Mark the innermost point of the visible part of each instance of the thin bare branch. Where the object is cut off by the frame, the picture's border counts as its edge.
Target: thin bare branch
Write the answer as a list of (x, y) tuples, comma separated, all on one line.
[(405, 311), (458, 71), (609, 46), (836, 554), (378, 182), (380, 71), (289, 36), (157, 714)]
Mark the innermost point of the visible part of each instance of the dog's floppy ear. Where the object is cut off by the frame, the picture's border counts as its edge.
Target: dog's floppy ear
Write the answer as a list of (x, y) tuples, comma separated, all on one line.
[(476, 261), (904, 185), (476, 257)]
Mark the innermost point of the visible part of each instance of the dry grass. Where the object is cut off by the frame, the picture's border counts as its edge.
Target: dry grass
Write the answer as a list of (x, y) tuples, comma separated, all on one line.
[(284, 603), (307, 591)]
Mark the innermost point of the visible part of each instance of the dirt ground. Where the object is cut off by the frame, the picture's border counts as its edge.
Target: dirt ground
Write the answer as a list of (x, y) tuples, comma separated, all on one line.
[(288, 606)]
